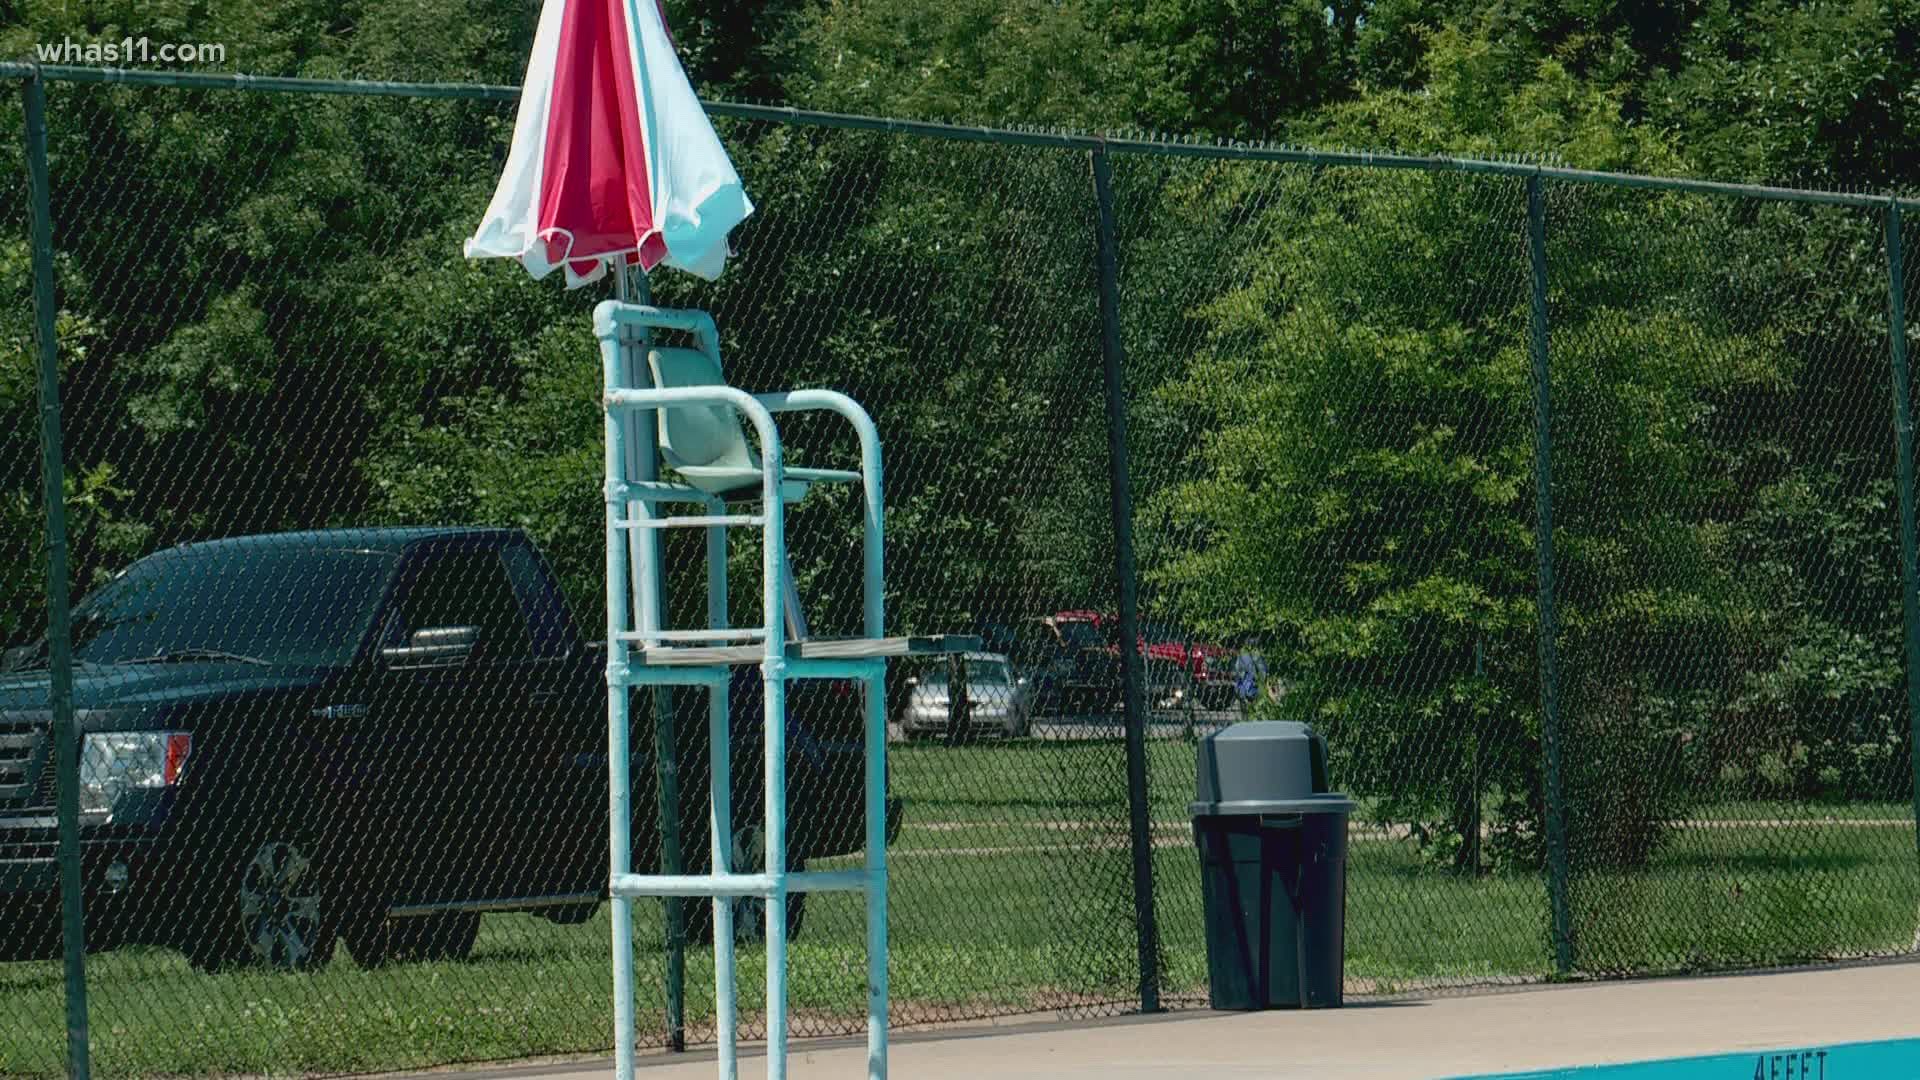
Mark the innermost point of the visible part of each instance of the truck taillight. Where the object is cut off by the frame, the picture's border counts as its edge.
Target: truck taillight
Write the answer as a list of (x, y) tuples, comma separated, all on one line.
[(179, 745)]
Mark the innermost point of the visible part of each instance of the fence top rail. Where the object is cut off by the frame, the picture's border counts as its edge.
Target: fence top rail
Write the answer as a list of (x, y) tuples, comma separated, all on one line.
[(204, 80)]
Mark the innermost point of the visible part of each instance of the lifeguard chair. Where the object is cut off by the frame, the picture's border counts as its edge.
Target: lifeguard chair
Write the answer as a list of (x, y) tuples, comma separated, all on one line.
[(697, 422)]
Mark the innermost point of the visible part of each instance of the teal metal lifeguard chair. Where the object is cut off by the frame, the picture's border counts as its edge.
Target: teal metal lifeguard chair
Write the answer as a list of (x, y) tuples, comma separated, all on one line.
[(697, 423)]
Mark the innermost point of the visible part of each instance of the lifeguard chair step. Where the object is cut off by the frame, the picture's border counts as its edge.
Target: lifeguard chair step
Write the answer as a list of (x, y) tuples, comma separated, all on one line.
[(703, 885)]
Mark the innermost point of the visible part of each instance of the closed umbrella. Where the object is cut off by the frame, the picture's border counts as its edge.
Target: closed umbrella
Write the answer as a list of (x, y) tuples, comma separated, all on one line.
[(613, 160)]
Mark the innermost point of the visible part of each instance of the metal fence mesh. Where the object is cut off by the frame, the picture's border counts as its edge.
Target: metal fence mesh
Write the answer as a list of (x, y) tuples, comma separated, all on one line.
[(1330, 417), (264, 357), (1738, 781), (968, 338), (24, 545), (265, 326), (250, 365)]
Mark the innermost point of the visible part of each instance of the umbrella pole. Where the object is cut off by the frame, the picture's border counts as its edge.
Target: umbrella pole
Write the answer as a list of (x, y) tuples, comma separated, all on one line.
[(643, 553)]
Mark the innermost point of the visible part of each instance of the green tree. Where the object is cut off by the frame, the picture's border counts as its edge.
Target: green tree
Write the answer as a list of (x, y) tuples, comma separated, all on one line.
[(1031, 62), (1234, 68), (1364, 472)]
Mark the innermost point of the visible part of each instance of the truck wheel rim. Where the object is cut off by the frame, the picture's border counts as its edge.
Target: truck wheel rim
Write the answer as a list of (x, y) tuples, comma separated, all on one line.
[(279, 906)]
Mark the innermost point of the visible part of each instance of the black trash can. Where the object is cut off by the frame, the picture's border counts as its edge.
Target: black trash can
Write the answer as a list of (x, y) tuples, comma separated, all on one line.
[(1273, 868)]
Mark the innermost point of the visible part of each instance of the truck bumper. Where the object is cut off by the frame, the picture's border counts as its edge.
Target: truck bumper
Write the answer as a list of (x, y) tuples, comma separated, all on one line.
[(1217, 688), (120, 878), (18, 876), (110, 866)]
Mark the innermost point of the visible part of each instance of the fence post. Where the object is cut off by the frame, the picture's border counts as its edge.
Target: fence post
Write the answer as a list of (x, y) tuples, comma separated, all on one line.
[(1903, 451), (66, 739), (1557, 886), (1113, 356)]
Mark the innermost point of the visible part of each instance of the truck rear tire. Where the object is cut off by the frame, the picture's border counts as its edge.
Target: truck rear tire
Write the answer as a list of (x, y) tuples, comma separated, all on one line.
[(749, 918), (749, 912)]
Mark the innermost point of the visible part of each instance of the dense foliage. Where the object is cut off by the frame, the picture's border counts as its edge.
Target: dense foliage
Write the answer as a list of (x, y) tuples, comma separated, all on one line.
[(265, 324)]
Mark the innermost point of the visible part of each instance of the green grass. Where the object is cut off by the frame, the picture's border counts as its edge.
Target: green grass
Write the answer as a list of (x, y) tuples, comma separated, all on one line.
[(1754, 896), (1039, 781), (1806, 812), (1005, 898)]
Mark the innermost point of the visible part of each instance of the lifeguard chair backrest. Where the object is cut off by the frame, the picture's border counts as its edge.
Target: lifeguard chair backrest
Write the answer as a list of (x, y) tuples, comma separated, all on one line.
[(697, 435)]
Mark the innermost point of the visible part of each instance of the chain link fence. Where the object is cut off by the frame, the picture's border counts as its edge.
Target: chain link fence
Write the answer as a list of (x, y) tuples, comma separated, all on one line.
[(1345, 536), (343, 779), (1739, 776)]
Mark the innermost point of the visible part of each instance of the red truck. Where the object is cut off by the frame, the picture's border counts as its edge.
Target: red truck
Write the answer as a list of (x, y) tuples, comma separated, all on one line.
[(1175, 660)]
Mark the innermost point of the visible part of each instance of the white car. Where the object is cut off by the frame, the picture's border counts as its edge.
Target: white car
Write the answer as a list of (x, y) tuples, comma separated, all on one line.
[(998, 700)]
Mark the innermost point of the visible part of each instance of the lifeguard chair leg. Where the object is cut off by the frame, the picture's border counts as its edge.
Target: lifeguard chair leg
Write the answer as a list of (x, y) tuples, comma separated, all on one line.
[(720, 807), (774, 584), (873, 603), (774, 679), (619, 784), (876, 866)]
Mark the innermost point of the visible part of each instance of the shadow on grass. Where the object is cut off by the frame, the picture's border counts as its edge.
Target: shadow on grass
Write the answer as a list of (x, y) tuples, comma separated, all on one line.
[(1402, 861), (1752, 862), (1002, 802), (28, 975)]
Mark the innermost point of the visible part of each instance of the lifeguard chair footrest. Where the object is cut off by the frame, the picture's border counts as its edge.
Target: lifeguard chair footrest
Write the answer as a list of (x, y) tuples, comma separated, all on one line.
[(851, 648)]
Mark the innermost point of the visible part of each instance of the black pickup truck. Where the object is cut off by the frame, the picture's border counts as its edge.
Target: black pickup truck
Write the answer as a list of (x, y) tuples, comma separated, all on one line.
[(368, 735)]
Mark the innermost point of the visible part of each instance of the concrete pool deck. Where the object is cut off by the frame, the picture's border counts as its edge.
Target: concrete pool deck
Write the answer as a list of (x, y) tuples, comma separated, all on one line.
[(1532, 1029)]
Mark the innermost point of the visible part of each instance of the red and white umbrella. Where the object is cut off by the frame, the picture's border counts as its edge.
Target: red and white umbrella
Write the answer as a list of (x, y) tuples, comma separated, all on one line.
[(612, 156)]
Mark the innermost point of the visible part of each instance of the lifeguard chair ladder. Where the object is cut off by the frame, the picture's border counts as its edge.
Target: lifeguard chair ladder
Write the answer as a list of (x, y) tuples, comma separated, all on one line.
[(641, 653)]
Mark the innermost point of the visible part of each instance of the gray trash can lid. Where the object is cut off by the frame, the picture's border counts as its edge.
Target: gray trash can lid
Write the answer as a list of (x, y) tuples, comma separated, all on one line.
[(1331, 802), (1264, 767)]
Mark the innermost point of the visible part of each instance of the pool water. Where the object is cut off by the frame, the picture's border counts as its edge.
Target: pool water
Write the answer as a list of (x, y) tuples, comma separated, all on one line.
[(1896, 1059)]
